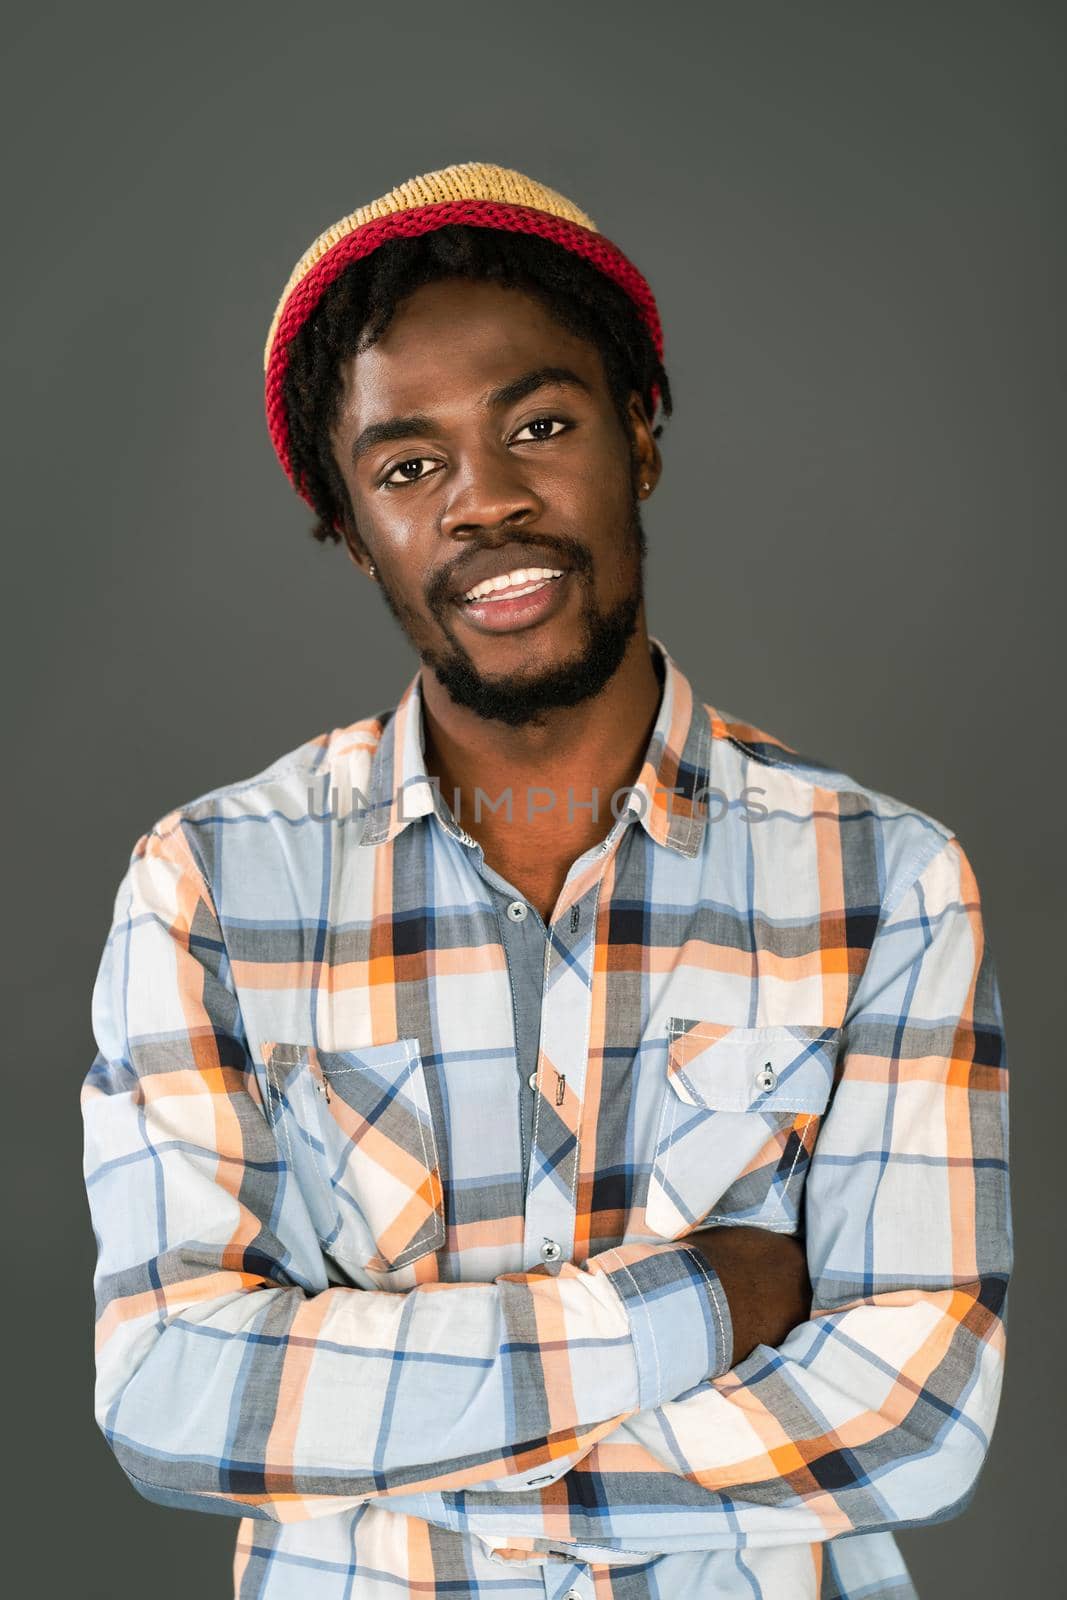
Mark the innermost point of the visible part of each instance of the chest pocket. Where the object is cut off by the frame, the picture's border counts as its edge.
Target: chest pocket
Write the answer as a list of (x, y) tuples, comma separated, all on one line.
[(740, 1113), (357, 1130)]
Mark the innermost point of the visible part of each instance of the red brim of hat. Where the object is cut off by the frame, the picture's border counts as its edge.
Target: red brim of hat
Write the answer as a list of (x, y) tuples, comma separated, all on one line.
[(305, 295)]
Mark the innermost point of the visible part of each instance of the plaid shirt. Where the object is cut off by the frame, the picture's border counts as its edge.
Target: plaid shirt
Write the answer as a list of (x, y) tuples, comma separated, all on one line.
[(424, 1344)]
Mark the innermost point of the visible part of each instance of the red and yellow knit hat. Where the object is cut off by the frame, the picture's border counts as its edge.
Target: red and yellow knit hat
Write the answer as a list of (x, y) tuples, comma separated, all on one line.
[(472, 192)]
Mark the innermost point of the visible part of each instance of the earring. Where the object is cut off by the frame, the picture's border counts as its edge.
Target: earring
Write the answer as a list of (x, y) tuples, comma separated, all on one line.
[(645, 487), (371, 570)]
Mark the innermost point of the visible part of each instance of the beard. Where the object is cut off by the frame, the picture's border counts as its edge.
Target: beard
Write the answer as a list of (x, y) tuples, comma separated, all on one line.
[(520, 698)]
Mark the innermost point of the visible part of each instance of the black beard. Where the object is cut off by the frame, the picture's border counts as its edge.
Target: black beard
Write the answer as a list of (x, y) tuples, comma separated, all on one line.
[(517, 698)]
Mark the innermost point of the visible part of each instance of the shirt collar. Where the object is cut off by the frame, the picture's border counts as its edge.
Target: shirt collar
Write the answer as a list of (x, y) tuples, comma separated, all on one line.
[(676, 759)]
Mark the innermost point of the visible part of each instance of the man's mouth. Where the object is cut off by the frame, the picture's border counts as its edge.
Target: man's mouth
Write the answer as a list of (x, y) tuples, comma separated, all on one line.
[(515, 599), (511, 584)]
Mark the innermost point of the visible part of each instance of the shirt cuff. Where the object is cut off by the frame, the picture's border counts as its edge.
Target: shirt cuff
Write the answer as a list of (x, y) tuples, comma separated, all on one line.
[(679, 1316)]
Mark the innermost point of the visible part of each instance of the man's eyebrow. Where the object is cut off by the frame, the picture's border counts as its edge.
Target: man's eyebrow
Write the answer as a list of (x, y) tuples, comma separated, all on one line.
[(508, 394)]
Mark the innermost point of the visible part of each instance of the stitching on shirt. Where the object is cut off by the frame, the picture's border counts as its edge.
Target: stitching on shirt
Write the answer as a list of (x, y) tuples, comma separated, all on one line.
[(273, 1114), (892, 902), (433, 1227), (703, 763), (811, 1031), (272, 1077), (585, 1052), (781, 1100), (386, 1061), (671, 1099), (801, 1145), (695, 823), (435, 1221), (518, 1064), (540, 1035), (652, 1332), (418, 1081), (284, 767), (695, 1255)]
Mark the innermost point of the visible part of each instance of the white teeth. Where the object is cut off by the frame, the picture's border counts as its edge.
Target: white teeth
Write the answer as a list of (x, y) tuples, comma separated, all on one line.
[(530, 577)]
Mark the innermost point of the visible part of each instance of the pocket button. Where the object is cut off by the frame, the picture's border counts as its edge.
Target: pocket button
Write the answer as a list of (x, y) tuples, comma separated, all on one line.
[(766, 1078)]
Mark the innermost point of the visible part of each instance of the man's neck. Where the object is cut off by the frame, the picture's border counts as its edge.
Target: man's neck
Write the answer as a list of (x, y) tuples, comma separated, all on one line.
[(553, 769)]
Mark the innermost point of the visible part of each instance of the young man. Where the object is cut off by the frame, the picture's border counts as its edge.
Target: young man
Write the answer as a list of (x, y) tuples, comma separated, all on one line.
[(547, 1137)]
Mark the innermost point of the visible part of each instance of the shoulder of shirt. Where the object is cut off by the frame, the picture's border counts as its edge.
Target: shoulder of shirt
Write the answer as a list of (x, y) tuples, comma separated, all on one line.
[(285, 783), (911, 838)]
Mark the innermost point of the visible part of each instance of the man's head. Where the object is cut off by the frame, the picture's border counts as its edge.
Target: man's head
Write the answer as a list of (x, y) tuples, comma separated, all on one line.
[(471, 402)]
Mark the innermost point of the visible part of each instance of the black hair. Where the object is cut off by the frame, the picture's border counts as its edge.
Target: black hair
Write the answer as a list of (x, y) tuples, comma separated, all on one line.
[(359, 305)]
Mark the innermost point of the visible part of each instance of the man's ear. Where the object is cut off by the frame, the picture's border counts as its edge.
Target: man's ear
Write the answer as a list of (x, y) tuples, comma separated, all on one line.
[(647, 461), (355, 549)]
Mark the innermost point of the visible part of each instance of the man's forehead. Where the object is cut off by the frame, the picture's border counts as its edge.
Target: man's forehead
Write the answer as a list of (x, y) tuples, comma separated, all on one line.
[(417, 365), (487, 326)]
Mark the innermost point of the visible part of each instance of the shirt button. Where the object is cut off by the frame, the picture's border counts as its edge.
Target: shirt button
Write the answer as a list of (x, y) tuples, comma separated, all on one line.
[(572, 1594), (532, 1080), (517, 910), (766, 1078), (550, 1250)]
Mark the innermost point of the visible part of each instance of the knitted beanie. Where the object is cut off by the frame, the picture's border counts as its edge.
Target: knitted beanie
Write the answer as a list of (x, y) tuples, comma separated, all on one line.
[(472, 192)]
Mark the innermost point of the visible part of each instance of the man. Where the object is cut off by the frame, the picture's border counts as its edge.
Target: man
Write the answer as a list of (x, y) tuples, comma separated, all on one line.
[(547, 1137)]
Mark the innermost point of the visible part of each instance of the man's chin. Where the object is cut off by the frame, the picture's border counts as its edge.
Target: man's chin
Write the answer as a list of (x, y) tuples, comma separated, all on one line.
[(528, 693)]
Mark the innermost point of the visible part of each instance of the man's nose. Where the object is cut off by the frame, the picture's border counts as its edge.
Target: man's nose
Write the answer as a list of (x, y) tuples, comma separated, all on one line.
[(488, 490)]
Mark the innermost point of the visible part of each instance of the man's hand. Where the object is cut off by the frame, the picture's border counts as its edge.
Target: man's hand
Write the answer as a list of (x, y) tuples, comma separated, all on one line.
[(765, 1276)]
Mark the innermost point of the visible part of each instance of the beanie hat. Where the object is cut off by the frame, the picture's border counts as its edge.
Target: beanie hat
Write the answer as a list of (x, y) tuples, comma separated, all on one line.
[(472, 192)]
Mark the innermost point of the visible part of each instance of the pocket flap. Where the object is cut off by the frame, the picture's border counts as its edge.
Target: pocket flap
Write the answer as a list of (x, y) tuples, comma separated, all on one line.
[(776, 1067), (379, 1151)]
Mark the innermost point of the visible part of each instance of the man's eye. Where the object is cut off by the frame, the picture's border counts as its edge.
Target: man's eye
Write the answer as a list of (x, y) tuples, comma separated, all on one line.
[(537, 422), (390, 481), (412, 461)]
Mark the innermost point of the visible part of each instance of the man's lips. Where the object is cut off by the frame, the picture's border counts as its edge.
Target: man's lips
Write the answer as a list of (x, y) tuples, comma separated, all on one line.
[(514, 585), (508, 610), (498, 563)]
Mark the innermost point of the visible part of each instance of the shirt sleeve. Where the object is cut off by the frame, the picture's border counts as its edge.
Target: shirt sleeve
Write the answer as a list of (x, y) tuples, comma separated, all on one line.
[(877, 1412), (229, 1376)]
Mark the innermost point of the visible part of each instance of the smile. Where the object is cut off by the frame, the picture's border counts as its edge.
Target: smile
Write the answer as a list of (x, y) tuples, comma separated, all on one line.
[(510, 584), (515, 600)]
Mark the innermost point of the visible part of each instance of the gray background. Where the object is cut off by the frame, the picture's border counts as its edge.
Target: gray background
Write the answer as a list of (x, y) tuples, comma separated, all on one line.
[(851, 215)]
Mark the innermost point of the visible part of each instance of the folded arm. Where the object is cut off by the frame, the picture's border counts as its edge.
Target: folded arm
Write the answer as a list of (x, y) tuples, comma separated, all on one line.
[(229, 1377), (877, 1409)]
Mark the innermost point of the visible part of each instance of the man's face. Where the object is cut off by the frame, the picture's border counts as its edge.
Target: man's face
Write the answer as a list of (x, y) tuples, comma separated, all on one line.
[(453, 482)]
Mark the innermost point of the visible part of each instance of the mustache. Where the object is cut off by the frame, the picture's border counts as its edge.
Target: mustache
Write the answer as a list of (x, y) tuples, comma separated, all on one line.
[(571, 552)]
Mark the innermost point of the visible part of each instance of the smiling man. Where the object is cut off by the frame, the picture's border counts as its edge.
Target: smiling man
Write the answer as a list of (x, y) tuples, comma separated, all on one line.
[(547, 1137), (511, 555)]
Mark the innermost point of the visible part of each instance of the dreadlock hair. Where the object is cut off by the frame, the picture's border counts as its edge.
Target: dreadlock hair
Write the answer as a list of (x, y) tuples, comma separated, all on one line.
[(359, 305)]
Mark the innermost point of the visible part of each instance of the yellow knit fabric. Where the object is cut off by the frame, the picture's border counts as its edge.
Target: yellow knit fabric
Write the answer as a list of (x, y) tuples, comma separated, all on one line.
[(467, 180)]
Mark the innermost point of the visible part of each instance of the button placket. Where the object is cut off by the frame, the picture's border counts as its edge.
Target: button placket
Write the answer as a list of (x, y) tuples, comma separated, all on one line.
[(570, 979)]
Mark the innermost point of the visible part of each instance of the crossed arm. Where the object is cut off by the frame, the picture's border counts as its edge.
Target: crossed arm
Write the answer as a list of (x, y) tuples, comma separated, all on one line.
[(656, 1398)]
